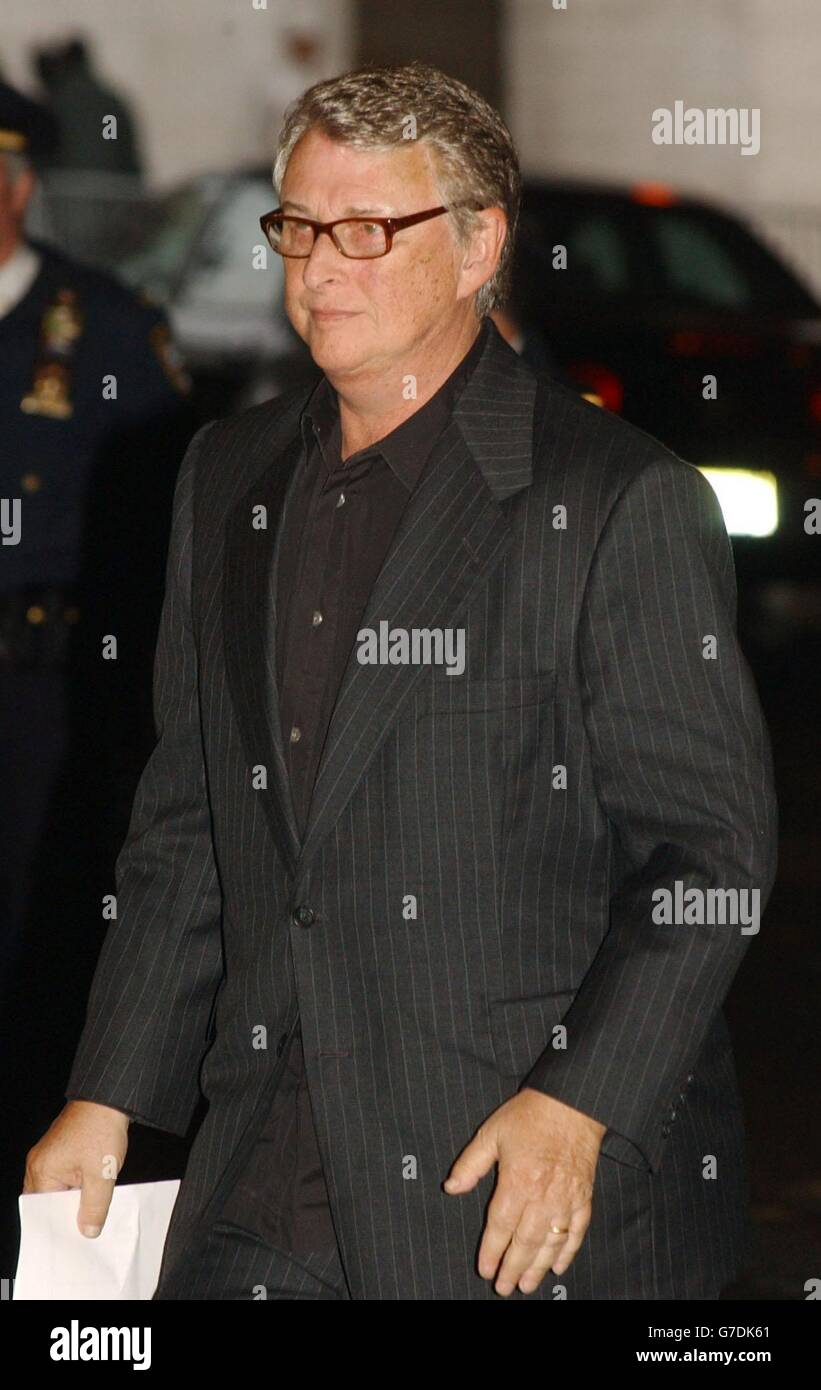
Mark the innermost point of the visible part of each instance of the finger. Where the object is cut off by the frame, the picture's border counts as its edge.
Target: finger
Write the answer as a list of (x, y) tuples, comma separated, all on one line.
[(95, 1199), (557, 1260), (523, 1252), (503, 1216), (42, 1175), (475, 1160), (568, 1253), (532, 1277), (41, 1182)]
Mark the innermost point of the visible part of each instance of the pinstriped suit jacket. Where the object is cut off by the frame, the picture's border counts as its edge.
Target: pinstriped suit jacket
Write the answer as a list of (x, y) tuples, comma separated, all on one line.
[(480, 856)]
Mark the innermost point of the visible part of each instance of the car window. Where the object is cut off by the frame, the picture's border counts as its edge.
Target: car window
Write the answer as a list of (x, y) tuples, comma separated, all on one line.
[(692, 263), (167, 236), (703, 258), (599, 258), (222, 270), (621, 249), (597, 255)]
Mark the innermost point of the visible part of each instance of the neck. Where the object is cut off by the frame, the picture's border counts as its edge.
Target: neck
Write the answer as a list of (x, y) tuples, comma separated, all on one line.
[(374, 403), (8, 247)]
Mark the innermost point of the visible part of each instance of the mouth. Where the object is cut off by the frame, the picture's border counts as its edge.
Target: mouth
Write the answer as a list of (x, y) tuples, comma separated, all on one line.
[(328, 315)]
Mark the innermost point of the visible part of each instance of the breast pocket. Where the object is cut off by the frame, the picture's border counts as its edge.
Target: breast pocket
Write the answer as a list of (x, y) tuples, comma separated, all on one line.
[(443, 694)]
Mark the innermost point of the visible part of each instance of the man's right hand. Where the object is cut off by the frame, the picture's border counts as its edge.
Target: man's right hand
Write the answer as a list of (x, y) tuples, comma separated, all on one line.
[(85, 1147)]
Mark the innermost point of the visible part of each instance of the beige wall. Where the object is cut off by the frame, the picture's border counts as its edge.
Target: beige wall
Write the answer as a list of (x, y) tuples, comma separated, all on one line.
[(582, 85), (207, 78)]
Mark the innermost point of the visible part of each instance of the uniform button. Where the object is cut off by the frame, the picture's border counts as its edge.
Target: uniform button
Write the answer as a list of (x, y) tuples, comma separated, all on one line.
[(35, 614), (30, 482), (672, 1114), (281, 1044), (317, 618), (340, 501), (303, 916), (296, 734)]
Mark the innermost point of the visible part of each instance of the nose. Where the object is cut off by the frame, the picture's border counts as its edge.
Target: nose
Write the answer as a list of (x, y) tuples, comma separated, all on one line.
[(324, 262)]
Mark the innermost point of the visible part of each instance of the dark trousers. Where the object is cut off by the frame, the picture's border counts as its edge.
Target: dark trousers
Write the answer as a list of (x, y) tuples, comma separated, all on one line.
[(33, 744), (233, 1264)]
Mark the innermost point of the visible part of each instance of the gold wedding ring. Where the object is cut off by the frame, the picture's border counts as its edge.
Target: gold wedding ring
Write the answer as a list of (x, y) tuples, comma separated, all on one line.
[(560, 1230)]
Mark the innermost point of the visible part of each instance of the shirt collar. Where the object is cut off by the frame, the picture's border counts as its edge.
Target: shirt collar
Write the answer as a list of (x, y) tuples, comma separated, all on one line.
[(406, 448), (17, 275)]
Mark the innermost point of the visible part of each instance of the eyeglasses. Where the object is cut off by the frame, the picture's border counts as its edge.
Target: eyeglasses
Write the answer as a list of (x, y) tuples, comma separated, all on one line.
[(359, 238)]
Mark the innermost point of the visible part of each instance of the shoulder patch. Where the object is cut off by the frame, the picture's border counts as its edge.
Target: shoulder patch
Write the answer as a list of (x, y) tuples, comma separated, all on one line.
[(169, 358)]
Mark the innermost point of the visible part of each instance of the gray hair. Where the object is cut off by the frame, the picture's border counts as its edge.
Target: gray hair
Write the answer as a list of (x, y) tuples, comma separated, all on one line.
[(473, 151)]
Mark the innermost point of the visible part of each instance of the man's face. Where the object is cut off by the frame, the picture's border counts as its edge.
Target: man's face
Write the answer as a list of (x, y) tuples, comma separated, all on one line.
[(360, 317), (14, 197)]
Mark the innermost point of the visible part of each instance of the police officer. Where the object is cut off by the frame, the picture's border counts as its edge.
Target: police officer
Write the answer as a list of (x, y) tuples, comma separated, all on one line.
[(93, 422)]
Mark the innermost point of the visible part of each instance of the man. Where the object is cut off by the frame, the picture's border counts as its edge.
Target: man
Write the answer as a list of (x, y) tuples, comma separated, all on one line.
[(93, 417), (90, 396), (448, 895)]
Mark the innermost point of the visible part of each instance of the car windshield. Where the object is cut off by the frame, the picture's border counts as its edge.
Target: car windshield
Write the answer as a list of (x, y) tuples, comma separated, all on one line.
[(175, 223), (674, 255)]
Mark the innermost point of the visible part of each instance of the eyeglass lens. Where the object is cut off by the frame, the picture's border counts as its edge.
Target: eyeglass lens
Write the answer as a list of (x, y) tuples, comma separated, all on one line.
[(357, 239)]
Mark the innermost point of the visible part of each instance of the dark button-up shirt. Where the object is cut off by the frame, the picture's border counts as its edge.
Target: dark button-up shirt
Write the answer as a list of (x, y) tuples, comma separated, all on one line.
[(340, 520)]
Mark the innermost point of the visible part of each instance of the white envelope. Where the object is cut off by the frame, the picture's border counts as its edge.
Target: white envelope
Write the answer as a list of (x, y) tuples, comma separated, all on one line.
[(123, 1262)]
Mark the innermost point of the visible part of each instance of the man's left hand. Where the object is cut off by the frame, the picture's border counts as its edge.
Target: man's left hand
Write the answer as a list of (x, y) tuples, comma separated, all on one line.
[(547, 1154)]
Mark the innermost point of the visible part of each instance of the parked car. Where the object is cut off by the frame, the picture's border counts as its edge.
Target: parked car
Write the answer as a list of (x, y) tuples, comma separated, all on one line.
[(204, 258), (660, 293)]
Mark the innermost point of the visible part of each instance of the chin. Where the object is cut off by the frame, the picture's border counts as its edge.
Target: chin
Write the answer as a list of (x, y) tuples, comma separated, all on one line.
[(335, 350)]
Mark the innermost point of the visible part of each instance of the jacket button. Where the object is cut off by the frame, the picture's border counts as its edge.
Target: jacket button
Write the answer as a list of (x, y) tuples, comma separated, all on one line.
[(303, 916), (665, 1132), (281, 1044)]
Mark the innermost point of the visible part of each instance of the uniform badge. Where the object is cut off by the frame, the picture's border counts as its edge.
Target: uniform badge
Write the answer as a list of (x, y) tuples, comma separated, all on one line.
[(49, 392), (60, 328)]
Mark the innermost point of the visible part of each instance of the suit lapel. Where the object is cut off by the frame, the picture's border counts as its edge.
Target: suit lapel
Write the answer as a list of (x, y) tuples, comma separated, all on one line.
[(452, 535), (249, 617)]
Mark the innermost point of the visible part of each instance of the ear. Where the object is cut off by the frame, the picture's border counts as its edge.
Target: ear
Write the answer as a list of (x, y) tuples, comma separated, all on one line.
[(21, 192), (481, 256)]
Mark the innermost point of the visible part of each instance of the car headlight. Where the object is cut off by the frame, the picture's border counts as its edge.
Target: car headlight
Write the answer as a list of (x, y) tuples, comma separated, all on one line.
[(748, 499)]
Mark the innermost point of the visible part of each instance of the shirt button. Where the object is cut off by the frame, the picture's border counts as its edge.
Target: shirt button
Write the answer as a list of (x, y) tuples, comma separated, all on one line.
[(317, 618), (296, 734), (303, 916), (340, 501)]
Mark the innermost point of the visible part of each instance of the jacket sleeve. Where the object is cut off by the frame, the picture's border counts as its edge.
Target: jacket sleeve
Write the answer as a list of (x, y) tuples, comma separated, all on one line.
[(683, 771), (161, 962)]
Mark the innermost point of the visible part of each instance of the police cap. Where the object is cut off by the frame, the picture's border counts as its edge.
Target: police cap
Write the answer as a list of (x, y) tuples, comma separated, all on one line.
[(26, 127)]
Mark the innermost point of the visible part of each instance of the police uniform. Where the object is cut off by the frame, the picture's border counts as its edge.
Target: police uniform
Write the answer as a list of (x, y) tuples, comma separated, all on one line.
[(92, 408)]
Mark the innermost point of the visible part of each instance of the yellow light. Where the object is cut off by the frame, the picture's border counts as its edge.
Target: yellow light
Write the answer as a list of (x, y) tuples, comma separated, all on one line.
[(748, 498)]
